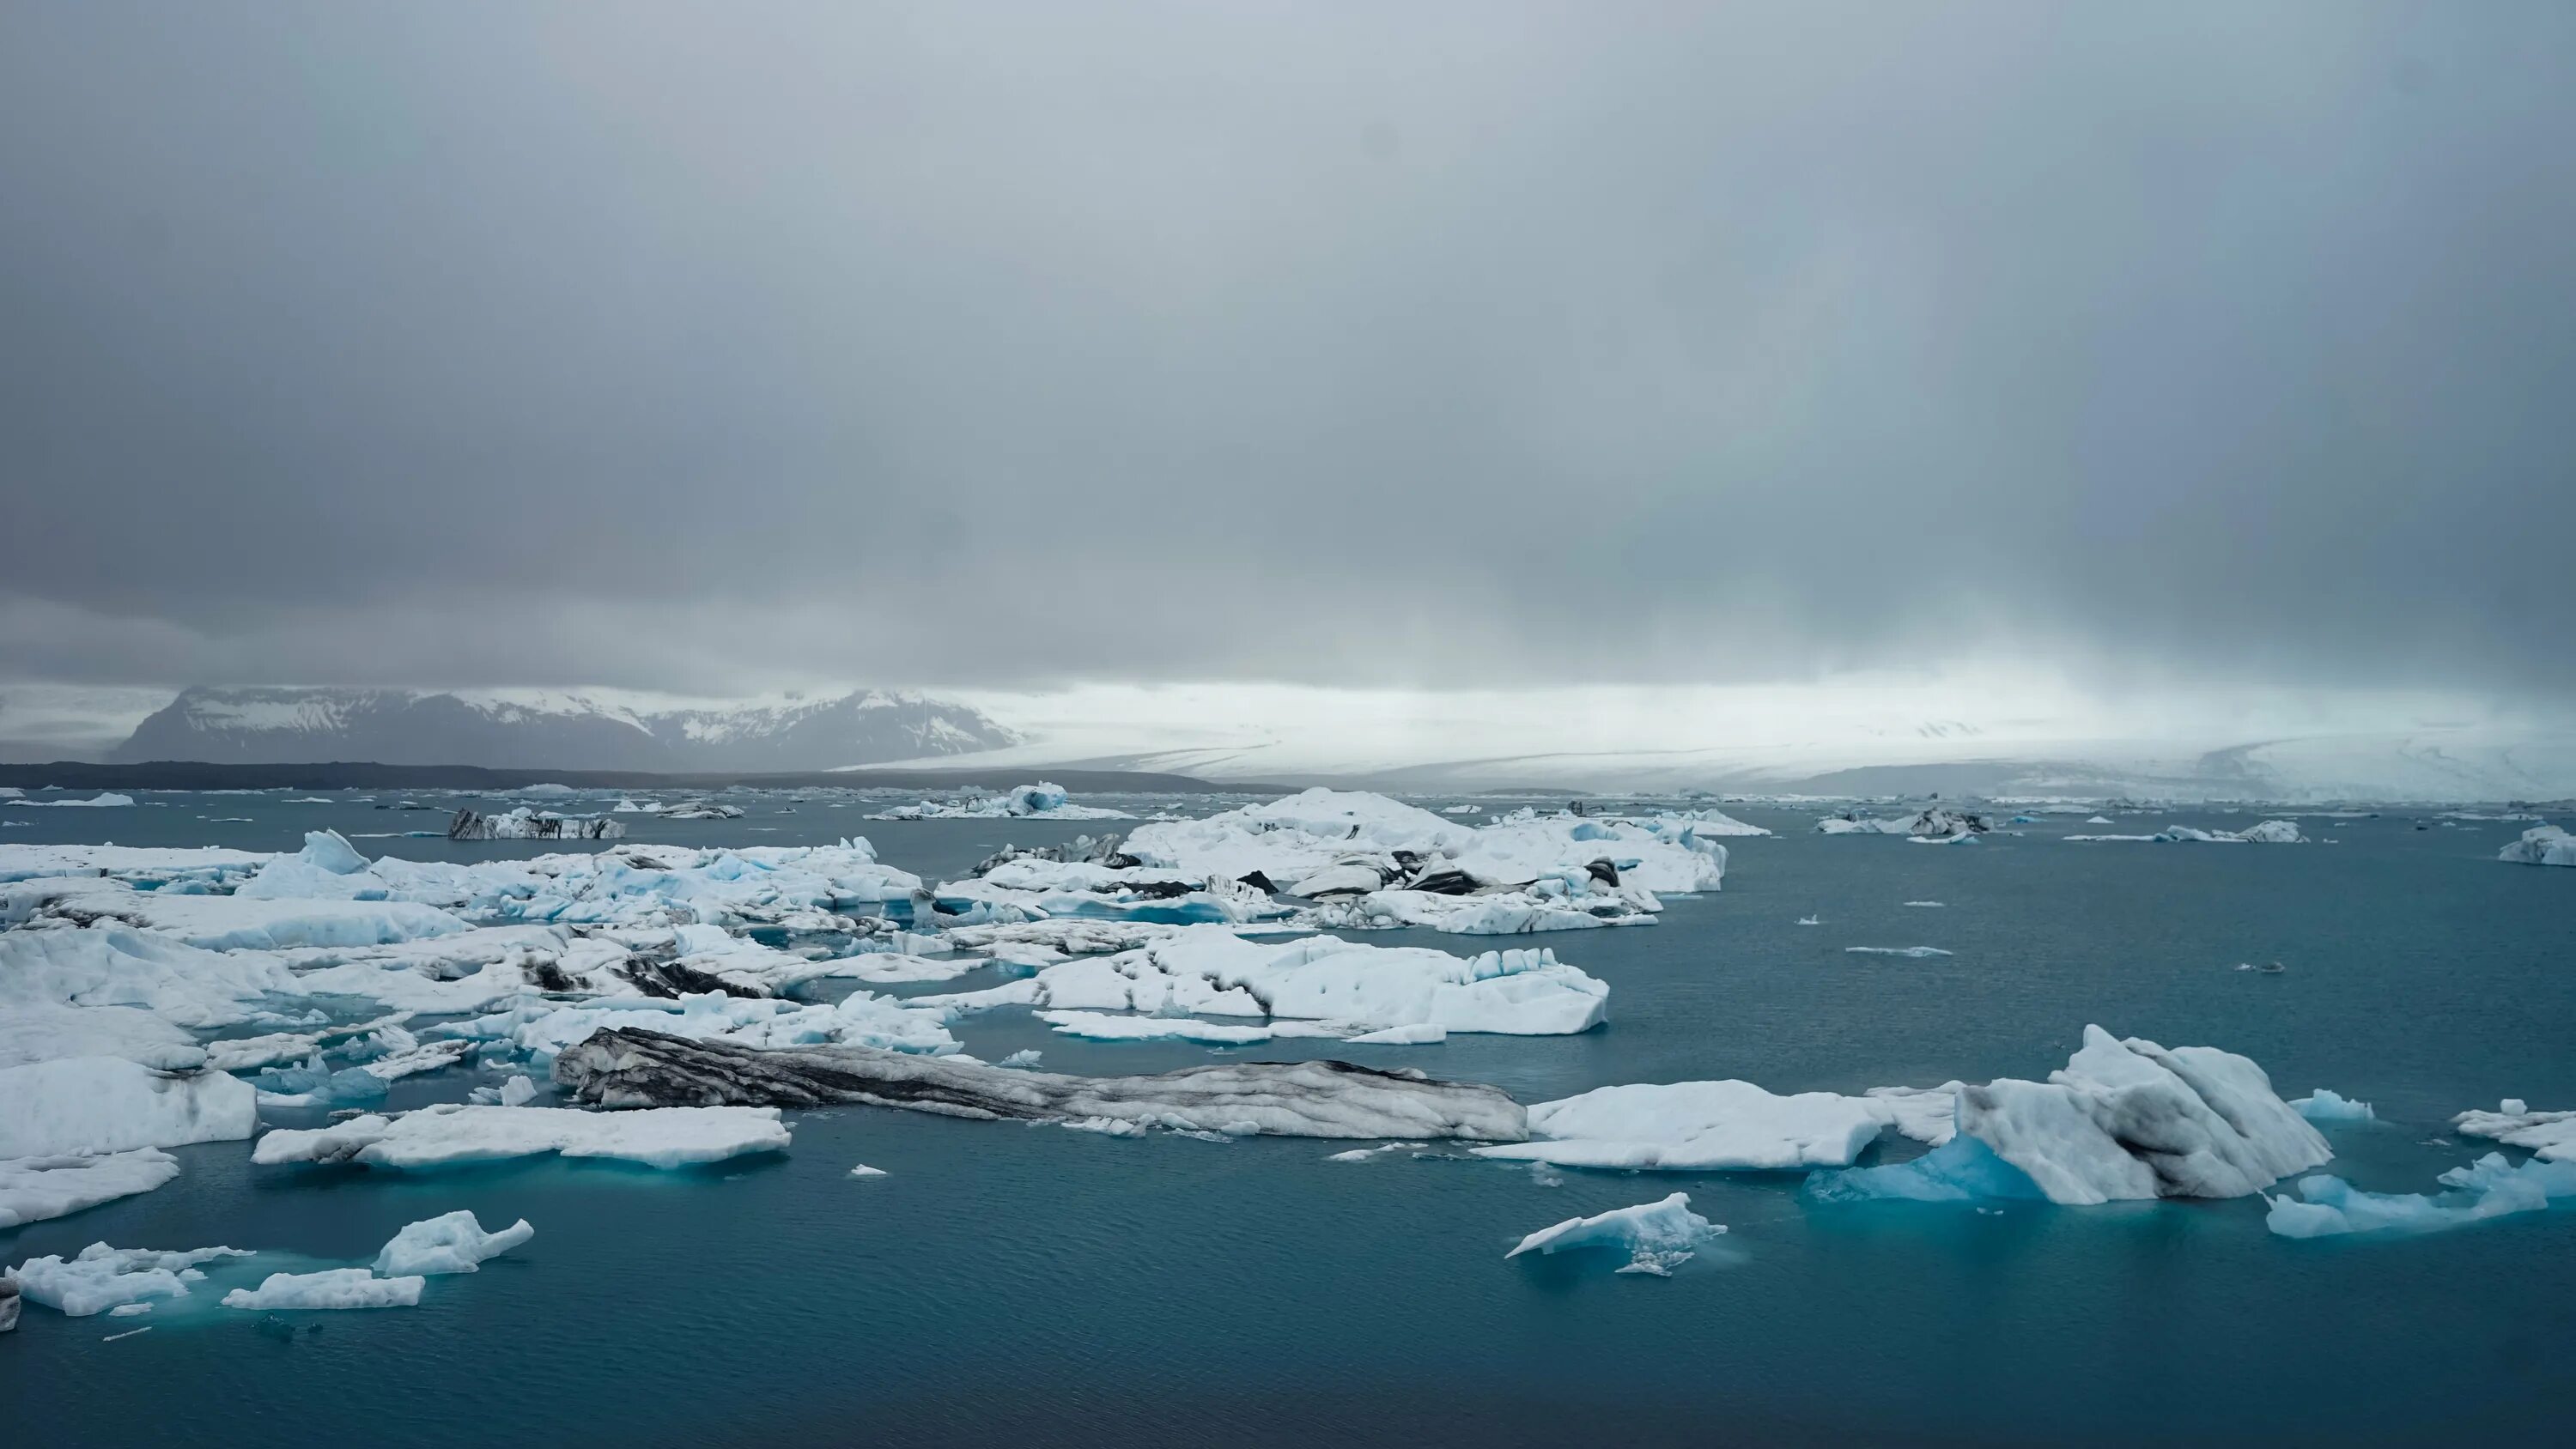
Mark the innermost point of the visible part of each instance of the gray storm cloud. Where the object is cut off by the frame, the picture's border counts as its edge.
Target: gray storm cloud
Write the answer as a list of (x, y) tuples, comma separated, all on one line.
[(709, 348)]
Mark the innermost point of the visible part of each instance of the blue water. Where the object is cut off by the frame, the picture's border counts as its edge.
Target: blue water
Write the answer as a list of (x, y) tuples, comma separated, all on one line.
[(1031, 1284)]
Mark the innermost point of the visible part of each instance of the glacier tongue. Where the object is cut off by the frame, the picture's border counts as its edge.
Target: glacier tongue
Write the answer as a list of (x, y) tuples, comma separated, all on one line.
[(628, 1068)]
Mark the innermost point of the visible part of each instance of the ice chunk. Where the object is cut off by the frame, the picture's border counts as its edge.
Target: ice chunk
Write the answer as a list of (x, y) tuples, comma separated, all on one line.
[(102, 1277), (527, 824), (1934, 822), (1916, 952), (1210, 971), (1659, 1236), (2541, 845), (452, 1133), (97, 802), (1697, 1126), (1294, 1099), (33, 1189), (2487, 1188), (90, 1105), (863, 1170), (2550, 1134), (2325, 1106), (330, 1288), (323, 868), (34, 1032), (452, 1243)]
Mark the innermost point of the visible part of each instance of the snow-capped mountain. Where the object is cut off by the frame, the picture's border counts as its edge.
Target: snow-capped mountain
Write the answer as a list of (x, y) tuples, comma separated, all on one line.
[(531, 729)]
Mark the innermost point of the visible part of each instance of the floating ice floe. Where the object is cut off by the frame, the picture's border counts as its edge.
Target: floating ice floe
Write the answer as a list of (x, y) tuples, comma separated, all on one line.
[(449, 1134), (1100, 1026), (331, 1288), (2488, 1188), (1042, 801), (1292, 1099), (544, 1027), (2323, 1105), (105, 801), (451, 1243), (863, 1170), (1934, 822), (1698, 1126), (33, 1189), (526, 824), (2269, 832), (2541, 845), (86, 1106), (1659, 1236), (202, 867), (2123, 1120), (100, 1277), (2551, 1135), (1917, 952), (700, 810), (1209, 971)]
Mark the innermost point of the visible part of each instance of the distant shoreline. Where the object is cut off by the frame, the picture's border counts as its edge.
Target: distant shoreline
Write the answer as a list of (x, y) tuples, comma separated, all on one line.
[(355, 775)]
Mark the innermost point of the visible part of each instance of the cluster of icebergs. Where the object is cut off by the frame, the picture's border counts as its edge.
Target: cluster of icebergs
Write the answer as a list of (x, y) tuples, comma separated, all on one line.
[(132, 1282), (1044, 800)]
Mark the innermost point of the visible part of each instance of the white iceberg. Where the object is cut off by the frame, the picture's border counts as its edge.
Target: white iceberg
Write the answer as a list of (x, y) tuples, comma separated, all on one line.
[(1659, 1236), (33, 1189), (2541, 845), (92, 1105), (451, 1243), (330, 1288), (2487, 1188), (105, 801), (1209, 971), (33, 1031), (449, 1134), (101, 1277), (1697, 1126), (1914, 952), (2269, 832), (1045, 800), (2551, 1135)]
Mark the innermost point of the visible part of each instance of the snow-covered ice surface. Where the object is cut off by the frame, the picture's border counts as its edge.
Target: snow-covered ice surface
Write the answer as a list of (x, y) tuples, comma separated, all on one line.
[(451, 1134), (450, 1243), (329, 1288), (1698, 1126), (1210, 971), (85, 1105), (1658, 1236), (33, 1189)]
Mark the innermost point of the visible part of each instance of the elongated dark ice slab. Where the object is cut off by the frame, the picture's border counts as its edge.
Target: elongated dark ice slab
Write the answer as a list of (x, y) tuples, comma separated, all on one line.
[(626, 1067)]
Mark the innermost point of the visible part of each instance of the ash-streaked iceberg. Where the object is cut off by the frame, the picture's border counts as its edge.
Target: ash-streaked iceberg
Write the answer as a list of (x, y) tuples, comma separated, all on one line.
[(524, 823), (1292, 1099)]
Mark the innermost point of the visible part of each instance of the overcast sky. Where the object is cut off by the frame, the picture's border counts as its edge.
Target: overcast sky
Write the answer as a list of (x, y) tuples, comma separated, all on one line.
[(725, 348)]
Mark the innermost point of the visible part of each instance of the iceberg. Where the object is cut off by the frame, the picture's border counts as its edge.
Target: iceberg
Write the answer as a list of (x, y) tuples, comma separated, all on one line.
[(1045, 800), (2325, 1106), (33, 1189), (863, 1170), (85, 1106), (105, 801), (42, 1032), (1294, 837), (1723, 1126), (2269, 832), (2123, 1120), (1548, 906), (2541, 845), (330, 1288), (452, 1243), (1659, 1235), (2487, 1188), (1293, 1099), (1916, 952), (2551, 1135), (1208, 970), (118, 965), (1934, 822), (527, 824), (101, 1277), (450, 1133)]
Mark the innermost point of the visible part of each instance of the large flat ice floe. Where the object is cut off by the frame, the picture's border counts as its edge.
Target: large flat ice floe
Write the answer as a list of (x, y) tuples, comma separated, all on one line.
[(1293, 1099), (2123, 1120), (329, 1288), (33, 1189), (1658, 1236), (2541, 845), (1210, 971), (450, 1134), (93, 1105), (1699, 1126)]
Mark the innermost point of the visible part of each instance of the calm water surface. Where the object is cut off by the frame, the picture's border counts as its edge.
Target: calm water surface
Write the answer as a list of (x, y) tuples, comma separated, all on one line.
[(1062, 1288)]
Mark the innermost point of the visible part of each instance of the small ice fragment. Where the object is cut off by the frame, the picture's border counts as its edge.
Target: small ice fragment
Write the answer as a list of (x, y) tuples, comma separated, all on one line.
[(129, 1333), (863, 1170), (2327, 1106), (1809, 921)]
